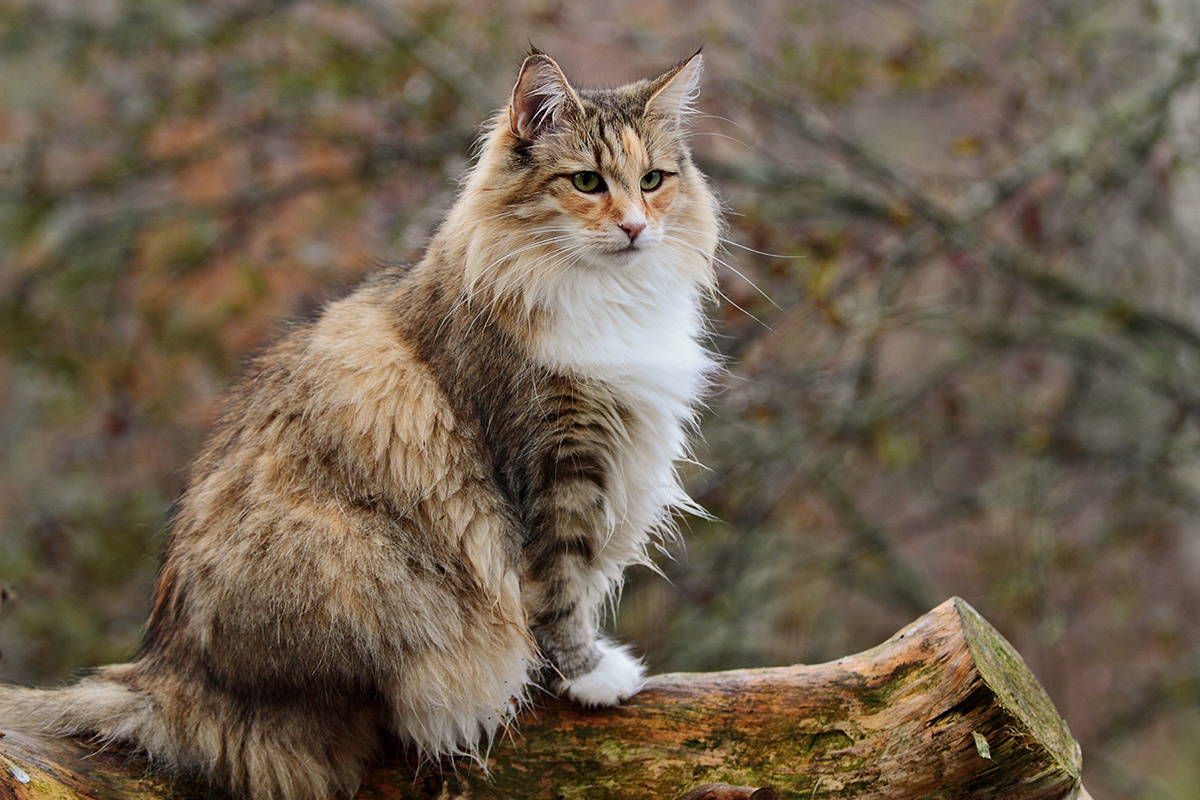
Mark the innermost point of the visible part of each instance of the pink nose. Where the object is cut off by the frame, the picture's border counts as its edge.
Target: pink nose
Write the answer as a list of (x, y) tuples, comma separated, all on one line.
[(632, 229)]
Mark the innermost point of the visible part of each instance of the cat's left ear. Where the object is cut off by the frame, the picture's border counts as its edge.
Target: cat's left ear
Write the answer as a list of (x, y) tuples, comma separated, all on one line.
[(542, 100), (673, 95)]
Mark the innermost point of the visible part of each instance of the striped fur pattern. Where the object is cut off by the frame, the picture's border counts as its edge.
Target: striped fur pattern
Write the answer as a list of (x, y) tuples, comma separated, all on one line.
[(419, 502)]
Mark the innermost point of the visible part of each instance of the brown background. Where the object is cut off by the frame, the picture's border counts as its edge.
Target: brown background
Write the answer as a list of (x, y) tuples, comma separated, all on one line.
[(970, 365)]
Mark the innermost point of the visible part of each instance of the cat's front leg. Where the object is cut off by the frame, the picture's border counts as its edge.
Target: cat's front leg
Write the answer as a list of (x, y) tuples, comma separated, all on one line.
[(563, 594), (588, 669)]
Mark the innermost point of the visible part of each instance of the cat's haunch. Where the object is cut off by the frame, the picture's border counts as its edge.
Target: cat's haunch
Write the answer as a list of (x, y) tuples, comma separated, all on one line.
[(417, 503)]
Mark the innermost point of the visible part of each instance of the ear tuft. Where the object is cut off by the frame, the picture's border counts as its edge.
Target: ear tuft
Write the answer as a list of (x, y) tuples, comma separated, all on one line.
[(674, 94), (541, 99)]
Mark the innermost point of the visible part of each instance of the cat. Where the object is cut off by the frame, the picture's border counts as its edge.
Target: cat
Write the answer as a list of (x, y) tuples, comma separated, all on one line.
[(419, 502)]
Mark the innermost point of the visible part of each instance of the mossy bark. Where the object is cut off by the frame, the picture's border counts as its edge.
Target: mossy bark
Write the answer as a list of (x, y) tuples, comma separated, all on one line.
[(944, 709)]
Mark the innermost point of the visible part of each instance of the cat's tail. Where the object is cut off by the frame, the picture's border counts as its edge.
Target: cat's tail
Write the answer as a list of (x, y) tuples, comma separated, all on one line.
[(103, 707), (266, 753)]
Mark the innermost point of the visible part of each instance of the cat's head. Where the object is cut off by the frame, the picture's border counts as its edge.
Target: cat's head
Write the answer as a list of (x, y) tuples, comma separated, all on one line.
[(591, 180)]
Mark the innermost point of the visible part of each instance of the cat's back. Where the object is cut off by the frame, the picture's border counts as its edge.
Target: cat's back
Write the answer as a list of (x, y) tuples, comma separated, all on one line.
[(340, 477), (343, 409)]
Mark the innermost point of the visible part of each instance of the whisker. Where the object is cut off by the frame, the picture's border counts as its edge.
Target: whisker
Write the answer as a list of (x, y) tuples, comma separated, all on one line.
[(733, 139), (758, 252), (726, 265), (752, 316), (718, 117), (742, 275), (726, 297)]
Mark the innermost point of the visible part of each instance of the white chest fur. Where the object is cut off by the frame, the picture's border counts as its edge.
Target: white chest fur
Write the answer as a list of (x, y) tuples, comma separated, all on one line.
[(636, 331)]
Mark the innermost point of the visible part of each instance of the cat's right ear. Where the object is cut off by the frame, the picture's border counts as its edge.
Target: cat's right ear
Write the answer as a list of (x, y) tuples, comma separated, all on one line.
[(542, 100)]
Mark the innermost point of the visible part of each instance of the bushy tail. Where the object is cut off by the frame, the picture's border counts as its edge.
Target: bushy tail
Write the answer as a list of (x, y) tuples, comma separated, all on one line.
[(102, 706), (273, 752)]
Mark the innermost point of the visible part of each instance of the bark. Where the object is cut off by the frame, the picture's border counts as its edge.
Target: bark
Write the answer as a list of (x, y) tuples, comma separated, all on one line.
[(944, 709)]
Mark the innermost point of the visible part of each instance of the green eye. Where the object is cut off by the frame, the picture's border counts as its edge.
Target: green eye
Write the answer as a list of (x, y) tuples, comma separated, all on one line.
[(587, 182), (652, 180)]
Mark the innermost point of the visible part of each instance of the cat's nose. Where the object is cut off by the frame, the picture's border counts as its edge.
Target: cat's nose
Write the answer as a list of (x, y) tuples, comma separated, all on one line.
[(632, 229)]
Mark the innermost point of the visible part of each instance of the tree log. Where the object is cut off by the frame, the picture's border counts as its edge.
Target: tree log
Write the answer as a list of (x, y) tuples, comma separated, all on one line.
[(944, 709)]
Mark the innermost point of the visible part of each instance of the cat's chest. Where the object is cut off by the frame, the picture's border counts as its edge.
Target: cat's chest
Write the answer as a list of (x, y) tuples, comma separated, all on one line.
[(641, 341), (641, 352)]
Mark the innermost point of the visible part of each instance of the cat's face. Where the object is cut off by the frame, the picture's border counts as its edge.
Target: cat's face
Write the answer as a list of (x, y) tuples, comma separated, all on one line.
[(595, 179), (612, 197), (610, 165)]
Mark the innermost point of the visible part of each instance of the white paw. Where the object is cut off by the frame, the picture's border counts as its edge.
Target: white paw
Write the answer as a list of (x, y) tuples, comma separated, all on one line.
[(618, 676)]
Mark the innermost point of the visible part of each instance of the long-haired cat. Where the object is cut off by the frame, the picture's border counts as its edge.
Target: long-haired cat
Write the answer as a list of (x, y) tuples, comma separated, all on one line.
[(418, 502)]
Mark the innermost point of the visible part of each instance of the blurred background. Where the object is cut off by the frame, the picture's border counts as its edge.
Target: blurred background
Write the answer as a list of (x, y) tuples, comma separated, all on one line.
[(960, 308)]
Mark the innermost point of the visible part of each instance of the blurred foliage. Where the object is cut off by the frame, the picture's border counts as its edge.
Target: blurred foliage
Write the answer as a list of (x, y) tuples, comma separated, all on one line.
[(961, 307)]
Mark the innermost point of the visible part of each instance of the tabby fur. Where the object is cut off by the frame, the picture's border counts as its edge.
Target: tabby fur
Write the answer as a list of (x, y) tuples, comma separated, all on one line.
[(417, 503)]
